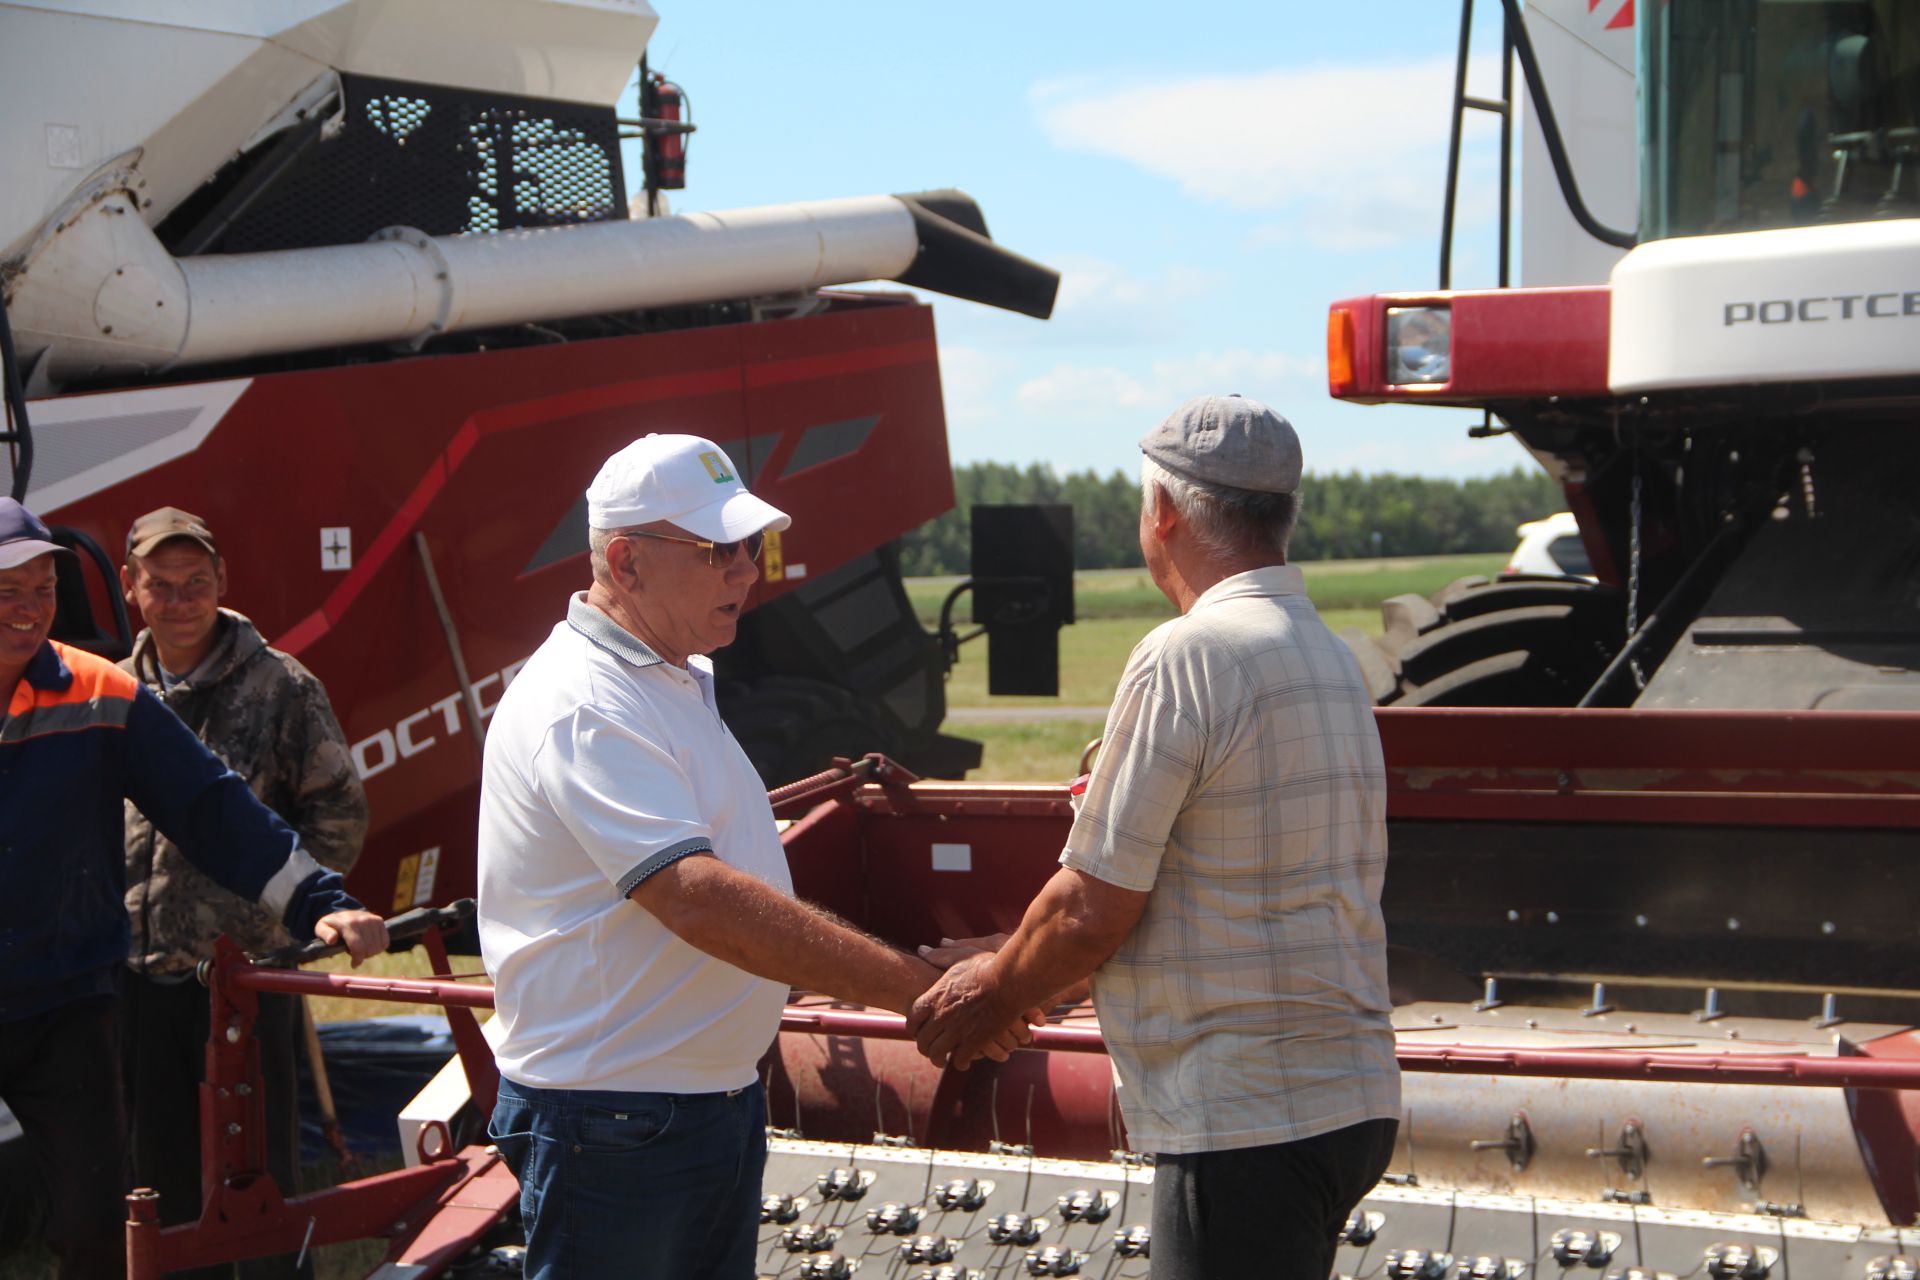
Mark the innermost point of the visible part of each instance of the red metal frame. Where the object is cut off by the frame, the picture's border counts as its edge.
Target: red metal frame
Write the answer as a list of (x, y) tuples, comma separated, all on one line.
[(1717, 768), (433, 1212)]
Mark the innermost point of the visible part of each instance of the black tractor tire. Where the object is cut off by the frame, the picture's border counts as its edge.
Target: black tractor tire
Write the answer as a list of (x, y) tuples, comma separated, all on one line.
[(792, 727), (1513, 642)]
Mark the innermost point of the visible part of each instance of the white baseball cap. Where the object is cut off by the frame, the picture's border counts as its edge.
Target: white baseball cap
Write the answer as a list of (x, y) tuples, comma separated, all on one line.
[(686, 480)]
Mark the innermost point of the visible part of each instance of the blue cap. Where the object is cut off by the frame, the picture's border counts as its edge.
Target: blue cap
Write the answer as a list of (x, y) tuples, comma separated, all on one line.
[(23, 536)]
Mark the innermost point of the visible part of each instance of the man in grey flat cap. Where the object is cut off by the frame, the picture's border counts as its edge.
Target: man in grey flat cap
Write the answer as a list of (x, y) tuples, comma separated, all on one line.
[(1221, 883)]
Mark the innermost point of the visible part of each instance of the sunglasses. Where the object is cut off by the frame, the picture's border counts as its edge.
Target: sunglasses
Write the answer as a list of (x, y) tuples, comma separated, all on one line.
[(719, 554)]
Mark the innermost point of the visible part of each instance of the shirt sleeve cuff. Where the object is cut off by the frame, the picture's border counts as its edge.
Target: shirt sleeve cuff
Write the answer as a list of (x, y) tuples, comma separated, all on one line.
[(1107, 873), (277, 895), (661, 860), (318, 892)]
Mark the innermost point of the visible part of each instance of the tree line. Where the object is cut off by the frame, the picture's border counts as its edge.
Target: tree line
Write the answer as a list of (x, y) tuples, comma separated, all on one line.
[(1343, 515)]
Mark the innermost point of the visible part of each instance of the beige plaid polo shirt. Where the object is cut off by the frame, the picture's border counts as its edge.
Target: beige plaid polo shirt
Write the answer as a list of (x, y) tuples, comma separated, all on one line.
[(1241, 783)]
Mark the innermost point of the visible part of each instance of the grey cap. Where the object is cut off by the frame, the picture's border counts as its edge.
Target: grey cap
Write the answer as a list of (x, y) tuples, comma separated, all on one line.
[(1228, 440)]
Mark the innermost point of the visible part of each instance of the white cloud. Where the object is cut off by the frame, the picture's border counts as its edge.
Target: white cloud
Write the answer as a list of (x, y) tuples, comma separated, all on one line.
[(1099, 392), (1354, 154), (973, 382), (1103, 302)]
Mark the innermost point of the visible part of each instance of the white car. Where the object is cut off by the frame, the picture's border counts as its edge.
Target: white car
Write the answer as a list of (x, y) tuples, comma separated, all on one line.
[(1552, 547)]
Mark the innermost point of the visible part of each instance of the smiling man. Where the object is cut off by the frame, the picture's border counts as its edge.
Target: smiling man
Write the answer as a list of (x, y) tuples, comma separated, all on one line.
[(268, 719), (77, 737), (636, 913)]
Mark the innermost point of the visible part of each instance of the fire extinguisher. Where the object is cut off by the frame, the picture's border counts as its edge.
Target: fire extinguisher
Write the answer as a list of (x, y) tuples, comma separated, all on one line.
[(666, 144)]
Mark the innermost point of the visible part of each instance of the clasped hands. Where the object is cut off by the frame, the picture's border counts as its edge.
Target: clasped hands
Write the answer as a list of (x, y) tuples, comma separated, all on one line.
[(963, 1016)]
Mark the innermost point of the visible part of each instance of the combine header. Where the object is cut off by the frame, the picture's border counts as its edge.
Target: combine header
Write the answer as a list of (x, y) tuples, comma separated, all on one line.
[(1538, 1140)]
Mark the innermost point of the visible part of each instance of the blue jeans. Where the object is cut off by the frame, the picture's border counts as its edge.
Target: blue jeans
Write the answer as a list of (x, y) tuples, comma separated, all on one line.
[(635, 1184)]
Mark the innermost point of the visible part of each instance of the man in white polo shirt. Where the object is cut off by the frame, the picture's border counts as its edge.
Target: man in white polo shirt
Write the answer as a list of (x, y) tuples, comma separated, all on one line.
[(1221, 882), (635, 908)]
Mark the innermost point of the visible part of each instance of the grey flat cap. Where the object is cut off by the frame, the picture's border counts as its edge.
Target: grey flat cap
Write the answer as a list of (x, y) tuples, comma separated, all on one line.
[(1228, 440)]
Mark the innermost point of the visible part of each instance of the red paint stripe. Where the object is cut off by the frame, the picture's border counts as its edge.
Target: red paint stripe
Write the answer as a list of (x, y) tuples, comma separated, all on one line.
[(302, 633), (462, 444), (317, 624), (614, 395), (385, 543), (804, 368)]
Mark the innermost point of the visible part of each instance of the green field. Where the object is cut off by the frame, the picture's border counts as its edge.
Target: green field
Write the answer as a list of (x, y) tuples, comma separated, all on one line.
[(1333, 584), (1115, 608)]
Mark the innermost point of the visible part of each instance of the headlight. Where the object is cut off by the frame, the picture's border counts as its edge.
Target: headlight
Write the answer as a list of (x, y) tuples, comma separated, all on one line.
[(1419, 345)]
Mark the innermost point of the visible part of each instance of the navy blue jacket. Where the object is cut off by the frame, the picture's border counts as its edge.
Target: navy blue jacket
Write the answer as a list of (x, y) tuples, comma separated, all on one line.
[(79, 736)]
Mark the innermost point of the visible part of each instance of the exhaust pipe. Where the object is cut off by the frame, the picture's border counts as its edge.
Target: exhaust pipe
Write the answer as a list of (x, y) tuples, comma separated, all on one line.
[(98, 294)]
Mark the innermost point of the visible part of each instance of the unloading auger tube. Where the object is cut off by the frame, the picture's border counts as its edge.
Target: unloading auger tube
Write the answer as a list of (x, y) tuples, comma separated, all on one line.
[(97, 293)]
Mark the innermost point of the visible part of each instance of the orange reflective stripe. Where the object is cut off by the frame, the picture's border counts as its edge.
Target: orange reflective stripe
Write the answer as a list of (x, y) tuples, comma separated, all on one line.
[(93, 678)]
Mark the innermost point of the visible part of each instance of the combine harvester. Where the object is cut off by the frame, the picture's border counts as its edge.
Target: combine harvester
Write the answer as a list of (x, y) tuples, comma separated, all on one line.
[(1720, 845), (357, 281)]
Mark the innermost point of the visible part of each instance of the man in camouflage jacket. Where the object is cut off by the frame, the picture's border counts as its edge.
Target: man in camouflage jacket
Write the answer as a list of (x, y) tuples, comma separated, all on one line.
[(267, 717)]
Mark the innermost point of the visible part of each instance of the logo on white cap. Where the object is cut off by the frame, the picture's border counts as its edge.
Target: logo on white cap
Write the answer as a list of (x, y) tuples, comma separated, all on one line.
[(684, 480)]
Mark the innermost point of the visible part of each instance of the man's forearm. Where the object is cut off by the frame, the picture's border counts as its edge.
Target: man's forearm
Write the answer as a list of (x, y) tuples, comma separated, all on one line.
[(737, 918), (1064, 936), (1070, 928)]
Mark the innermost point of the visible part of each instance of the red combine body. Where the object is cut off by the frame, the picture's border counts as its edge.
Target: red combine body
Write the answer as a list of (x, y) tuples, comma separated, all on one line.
[(385, 374), (468, 470)]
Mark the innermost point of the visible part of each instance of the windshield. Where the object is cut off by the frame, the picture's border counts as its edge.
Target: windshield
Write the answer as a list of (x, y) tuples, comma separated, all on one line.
[(1778, 113)]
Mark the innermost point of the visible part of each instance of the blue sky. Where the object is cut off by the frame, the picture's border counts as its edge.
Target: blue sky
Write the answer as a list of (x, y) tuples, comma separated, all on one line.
[(1207, 176)]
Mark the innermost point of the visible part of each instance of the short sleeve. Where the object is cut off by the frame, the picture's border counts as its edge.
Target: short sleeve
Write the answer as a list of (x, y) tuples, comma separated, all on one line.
[(1148, 763), (621, 794)]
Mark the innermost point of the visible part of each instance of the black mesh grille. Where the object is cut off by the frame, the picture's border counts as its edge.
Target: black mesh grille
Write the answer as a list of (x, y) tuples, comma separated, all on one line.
[(443, 160)]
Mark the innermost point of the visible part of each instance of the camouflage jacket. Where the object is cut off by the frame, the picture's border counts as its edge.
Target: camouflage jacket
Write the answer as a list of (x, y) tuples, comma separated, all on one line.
[(267, 717)]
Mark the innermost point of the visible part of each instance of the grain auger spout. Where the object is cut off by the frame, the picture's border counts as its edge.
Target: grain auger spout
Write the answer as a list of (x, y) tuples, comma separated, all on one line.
[(98, 293)]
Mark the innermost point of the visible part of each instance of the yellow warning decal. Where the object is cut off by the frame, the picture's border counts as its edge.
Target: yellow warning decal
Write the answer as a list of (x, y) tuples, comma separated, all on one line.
[(772, 562)]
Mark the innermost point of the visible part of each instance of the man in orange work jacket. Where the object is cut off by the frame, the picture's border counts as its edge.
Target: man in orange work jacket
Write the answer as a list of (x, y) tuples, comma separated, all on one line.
[(77, 737)]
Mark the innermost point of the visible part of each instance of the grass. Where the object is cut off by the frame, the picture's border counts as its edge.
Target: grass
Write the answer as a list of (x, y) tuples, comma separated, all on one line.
[(1092, 654), (1031, 750), (1333, 584), (1115, 608), (397, 964)]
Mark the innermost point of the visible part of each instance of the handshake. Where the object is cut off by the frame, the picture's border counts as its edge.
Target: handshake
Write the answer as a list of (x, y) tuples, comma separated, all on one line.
[(966, 1014)]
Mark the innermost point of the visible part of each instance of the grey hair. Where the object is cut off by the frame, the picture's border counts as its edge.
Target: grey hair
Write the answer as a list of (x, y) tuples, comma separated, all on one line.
[(597, 542), (1224, 522)]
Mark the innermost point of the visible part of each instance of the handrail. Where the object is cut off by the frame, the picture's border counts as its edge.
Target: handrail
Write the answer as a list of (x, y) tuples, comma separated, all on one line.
[(1571, 1064), (1515, 42)]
